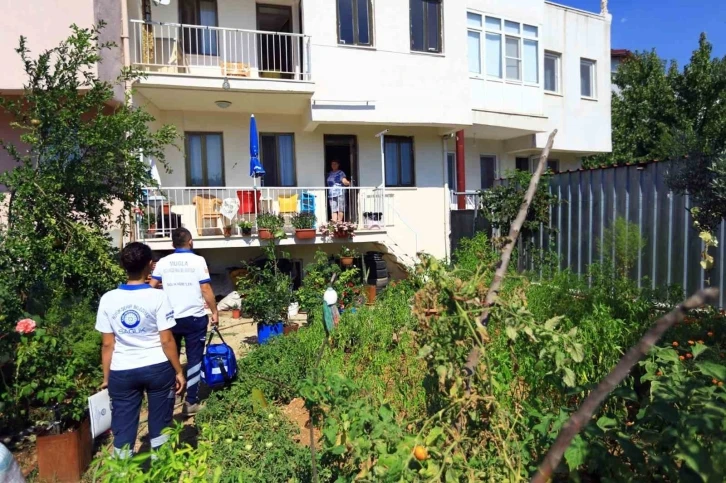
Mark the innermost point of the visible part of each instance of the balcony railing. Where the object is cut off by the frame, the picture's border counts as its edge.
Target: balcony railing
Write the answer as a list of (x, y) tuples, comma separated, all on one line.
[(471, 199), (219, 52), (200, 210)]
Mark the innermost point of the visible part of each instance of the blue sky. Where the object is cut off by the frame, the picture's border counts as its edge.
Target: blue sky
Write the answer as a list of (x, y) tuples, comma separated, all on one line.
[(671, 27)]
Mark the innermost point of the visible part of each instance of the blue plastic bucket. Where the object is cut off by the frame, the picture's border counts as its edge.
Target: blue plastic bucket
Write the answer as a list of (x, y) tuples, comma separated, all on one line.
[(267, 331)]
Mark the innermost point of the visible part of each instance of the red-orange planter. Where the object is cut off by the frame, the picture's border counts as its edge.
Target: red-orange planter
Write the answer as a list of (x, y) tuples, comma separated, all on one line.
[(305, 233), (265, 234), (65, 457)]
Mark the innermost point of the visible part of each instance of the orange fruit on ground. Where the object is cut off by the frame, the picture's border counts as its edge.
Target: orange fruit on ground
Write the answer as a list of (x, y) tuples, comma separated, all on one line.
[(690, 342), (420, 453), (710, 334), (714, 381), (659, 373), (675, 343), (720, 383), (689, 356), (700, 342), (681, 358)]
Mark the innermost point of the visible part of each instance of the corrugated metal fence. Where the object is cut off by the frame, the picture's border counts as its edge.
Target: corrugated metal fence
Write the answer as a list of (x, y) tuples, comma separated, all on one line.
[(592, 199)]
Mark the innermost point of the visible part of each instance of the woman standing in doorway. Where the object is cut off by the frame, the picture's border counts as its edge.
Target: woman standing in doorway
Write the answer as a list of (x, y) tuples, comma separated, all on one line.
[(336, 197)]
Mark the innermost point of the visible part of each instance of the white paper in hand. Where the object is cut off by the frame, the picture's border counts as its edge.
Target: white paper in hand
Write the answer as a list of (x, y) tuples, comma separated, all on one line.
[(99, 407)]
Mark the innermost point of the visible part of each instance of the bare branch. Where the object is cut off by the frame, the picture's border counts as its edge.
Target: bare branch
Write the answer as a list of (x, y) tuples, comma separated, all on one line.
[(514, 230), (582, 416)]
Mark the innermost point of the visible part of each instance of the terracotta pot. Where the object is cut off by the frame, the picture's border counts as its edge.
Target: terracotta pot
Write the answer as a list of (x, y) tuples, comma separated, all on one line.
[(152, 229), (65, 457), (305, 233), (265, 234), (288, 329), (227, 231), (236, 313), (371, 294), (166, 208), (346, 261)]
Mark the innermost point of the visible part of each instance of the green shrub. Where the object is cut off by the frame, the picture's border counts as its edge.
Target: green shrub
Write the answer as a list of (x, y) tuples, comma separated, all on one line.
[(474, 253), (317, 279), (622, 244)]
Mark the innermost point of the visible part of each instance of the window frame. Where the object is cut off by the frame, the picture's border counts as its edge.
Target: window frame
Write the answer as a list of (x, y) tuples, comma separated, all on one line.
[(593, 78), (425, 28), (558, 71), (277, 135), (187, 161), (503, 35), (356, 29), (399, 139)]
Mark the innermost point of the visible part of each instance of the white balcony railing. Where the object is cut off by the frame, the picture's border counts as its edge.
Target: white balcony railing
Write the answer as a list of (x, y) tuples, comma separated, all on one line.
[(200, 209), (471, 199), (220, 52)]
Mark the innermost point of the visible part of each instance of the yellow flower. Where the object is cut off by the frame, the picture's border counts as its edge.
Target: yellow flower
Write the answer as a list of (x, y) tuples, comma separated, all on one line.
[(706, 237)]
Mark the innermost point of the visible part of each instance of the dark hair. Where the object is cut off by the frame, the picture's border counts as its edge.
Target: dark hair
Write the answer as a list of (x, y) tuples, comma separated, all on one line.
[(135, 257), (180, 237)]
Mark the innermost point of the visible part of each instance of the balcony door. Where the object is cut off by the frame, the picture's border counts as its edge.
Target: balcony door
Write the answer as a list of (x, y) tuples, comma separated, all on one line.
[(344, 150), (276, 52), (195, 15)]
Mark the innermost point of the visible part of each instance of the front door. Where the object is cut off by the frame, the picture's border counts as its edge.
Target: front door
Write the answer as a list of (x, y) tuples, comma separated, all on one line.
[(344, 149), (275, 52)]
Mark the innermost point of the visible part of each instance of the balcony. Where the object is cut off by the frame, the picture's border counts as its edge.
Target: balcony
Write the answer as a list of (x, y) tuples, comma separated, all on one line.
[(200, 211), (183, 56)]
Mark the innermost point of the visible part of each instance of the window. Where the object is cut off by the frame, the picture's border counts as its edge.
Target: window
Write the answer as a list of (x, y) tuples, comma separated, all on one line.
[(425, 25), (552, 72), (199, 12), (488, 170), (398, 151), (474, 24), (521, 164), (354, 22), (587, 78), (518, 52), (553, 165), (278, 158), (451, 170), (204, 159)]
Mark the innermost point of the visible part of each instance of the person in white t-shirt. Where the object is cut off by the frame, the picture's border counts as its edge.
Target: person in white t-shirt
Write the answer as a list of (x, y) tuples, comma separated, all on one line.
[(139, 353), (186, 283)]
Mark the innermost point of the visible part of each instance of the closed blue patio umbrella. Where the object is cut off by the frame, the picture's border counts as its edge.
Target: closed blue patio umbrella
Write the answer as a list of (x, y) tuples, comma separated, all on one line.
[(256, 169)]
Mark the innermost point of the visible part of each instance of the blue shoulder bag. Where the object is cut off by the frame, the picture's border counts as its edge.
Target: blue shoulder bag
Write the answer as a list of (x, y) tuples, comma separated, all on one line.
[(219, 364)]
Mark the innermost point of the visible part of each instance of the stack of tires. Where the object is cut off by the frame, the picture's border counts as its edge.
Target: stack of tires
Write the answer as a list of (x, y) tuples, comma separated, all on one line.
[(377, 270)]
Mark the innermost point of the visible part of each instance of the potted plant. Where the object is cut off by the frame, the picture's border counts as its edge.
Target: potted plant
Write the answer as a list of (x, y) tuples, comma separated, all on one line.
[(304, 224), (266, 295), (338, 229), (270, 226), (347, 255), (245, 227), (148, 223), (227, 231), (236, 311)]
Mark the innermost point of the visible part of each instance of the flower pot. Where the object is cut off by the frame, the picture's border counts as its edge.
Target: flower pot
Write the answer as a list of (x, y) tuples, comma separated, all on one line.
[(305, 233), (65, 457), (246, 231), (289, 329), (236, 313), (267, 331), (227, 231), (166, 208), (371, 294), (346, 261), (265, 234), (152, 229)]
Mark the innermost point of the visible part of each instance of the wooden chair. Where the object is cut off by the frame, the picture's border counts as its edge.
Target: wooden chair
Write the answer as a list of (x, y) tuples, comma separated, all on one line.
[(207, 210)]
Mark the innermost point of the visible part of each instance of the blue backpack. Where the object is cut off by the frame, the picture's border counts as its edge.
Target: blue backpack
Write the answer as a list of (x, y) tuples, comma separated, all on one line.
[(219, 364)]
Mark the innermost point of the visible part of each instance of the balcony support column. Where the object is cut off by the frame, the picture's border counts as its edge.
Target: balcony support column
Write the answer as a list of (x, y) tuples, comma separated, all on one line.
[(460, 170)]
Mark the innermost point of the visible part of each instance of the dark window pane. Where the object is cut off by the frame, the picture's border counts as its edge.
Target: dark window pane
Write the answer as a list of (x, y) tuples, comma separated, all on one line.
[(345, 19), (194, 155), (553, 165), (215, 176), (391, 162), (433, 14), (286, 153), (488, 163), (451, 169), (268, 152), (522, 164), (417, 25), (364, 36), (406, 163)]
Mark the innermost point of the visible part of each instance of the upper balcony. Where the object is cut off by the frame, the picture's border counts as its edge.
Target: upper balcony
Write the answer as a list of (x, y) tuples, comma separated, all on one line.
[(177, 55)]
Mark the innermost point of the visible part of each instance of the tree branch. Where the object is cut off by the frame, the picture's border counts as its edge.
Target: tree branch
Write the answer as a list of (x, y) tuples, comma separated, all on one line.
[(514, 230), (582, 416)]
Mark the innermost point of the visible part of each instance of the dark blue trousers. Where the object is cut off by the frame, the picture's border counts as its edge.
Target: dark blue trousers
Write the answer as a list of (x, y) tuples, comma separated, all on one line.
[(127, 389), (194, 332)]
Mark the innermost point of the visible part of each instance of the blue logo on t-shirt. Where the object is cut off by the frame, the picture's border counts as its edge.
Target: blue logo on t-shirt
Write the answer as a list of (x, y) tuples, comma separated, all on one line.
[(130, 319)]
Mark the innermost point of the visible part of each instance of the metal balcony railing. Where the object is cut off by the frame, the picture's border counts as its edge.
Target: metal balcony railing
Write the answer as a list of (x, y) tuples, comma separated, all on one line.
[(220, 52)]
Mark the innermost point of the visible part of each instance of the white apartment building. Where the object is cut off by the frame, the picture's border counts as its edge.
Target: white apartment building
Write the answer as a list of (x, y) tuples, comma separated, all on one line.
[(415, 98)]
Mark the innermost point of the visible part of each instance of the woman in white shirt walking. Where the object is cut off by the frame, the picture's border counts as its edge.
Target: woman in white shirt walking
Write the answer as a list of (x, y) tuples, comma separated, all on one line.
[(139, 353)]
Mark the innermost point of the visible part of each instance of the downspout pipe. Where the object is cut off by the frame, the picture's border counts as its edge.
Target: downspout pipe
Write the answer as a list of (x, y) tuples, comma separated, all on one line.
[(460, 169)]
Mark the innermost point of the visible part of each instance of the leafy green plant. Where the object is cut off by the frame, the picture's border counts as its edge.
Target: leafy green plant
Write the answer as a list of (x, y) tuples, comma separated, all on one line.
[(316, 280), (245, 226), (622, 243), (266, 292), (303, 221), (346, 251), (500, 204), (274, 223)]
